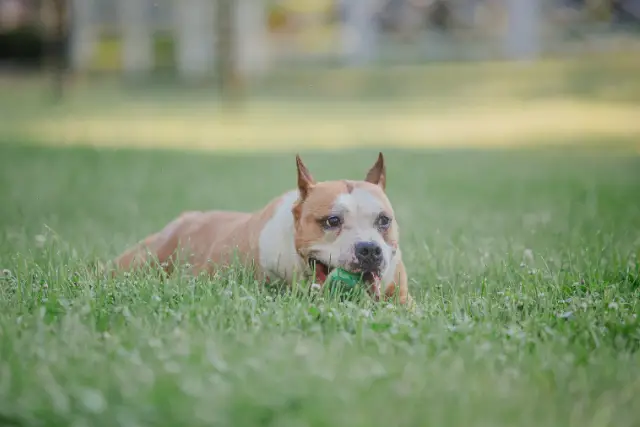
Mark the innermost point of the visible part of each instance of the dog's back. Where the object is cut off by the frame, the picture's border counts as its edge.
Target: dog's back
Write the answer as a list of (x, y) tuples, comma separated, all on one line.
[(201, 239), (194, 237)]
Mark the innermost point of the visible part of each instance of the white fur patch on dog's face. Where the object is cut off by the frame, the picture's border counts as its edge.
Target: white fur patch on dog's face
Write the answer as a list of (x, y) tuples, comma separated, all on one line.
[(359, 211)]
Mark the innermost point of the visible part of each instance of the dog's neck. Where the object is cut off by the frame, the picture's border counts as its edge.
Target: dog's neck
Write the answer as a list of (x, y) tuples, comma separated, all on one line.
[(278, 255)]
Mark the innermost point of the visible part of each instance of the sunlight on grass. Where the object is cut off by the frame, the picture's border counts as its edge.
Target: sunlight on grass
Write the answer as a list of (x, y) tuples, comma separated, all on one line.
[(269, 126)]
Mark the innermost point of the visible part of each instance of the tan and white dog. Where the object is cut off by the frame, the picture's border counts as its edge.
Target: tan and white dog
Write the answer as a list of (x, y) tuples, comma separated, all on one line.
[(314, 229)]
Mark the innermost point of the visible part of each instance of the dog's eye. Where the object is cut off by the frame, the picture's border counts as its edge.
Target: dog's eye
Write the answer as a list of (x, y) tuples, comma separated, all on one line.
[(383, 222), (332, 222)]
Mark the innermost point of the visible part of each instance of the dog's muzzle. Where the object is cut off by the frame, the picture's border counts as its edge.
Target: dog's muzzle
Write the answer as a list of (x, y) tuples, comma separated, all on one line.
[(369, 257)]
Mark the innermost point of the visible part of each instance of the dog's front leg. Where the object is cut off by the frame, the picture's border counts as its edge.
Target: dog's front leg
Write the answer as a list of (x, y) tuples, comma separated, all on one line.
[(399, 288)]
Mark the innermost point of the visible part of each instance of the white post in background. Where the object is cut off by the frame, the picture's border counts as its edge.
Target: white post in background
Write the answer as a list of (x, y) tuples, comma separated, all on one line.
[(251, 37), (523, 31), (137, 42), (360, 31), (195, 41), (83, 35)]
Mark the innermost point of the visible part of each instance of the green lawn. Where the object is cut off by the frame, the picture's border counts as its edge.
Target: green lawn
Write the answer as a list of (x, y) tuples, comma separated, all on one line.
[(524, 265)]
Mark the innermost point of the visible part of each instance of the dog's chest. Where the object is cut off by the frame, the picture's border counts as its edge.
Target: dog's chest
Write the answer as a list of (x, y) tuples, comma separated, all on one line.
[(277, 253)]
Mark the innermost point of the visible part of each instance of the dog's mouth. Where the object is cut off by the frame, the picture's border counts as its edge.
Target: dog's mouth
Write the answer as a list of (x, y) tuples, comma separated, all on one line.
[(323, 270)]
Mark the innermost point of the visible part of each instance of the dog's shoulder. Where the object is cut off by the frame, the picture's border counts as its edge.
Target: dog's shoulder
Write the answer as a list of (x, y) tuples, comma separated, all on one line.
[(276, 246)]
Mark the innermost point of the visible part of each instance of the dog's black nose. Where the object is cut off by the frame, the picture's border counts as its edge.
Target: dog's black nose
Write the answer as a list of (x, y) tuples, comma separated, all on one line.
[(369, 255)]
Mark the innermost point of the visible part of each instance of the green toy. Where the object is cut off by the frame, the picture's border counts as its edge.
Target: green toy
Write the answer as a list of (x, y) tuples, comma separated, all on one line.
[(343, 279)]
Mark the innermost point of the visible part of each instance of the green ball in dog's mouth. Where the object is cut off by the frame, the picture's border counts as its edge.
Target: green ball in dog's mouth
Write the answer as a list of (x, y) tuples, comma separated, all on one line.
[(343, 278)]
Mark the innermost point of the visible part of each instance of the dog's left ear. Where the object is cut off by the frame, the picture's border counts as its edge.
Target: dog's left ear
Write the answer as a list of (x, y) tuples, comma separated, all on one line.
[(305, 180), (378, 174)]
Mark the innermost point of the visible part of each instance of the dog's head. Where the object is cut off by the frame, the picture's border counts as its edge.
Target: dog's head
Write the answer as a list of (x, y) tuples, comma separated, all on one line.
[(347, 224)]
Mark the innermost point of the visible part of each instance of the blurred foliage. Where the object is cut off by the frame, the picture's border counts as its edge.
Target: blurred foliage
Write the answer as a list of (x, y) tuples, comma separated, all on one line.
[(23, 45), (107, 56)]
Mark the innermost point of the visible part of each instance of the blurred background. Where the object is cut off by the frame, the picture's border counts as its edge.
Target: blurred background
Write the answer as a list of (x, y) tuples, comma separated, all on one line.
[(269, 74)]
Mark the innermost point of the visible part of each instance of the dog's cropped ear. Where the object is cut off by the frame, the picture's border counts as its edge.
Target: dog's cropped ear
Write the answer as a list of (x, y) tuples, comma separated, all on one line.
[(305, 180), (378, 173)]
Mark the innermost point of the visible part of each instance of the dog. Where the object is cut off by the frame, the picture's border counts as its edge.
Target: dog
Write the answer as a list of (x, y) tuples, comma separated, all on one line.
[(306, 232)]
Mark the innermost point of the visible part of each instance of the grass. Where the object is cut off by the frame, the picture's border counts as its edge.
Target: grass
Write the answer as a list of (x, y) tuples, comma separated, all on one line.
[(524, 264)]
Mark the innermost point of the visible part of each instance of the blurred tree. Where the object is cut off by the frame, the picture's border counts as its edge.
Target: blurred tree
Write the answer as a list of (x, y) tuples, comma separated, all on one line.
[(360, 33), (195, 38), (58, 43), (598, 10), (137, 43), (439, 15), (522, 39), (250, 33), (227, 72), (82, 34)]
